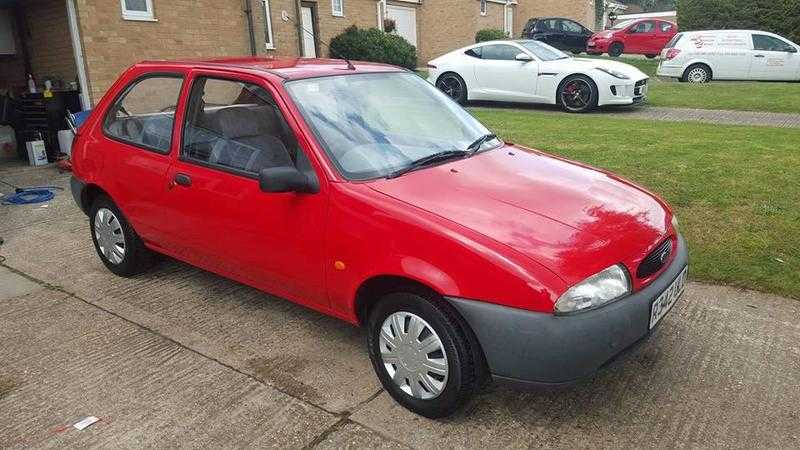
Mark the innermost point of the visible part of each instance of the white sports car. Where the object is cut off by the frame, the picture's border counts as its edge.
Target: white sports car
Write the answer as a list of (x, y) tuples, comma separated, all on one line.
[(534, 72)]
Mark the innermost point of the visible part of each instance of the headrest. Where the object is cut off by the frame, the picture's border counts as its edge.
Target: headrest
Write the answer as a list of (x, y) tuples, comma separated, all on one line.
[(240, 121)]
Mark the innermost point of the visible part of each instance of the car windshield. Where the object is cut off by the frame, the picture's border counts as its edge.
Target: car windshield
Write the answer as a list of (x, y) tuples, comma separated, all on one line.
[(375, 125), (622, 24), (543, 51)]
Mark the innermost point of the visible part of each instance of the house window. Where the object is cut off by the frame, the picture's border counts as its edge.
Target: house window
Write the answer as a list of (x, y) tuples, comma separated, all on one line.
[(338, 8), (508, 22), (269, 43), (137, 10), (483, 7)]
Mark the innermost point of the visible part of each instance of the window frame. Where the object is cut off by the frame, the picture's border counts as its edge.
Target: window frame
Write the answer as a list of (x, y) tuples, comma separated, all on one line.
[(142, 16), (269, 37), (340, 12), (124, 92), (484, 7), (189, 105)]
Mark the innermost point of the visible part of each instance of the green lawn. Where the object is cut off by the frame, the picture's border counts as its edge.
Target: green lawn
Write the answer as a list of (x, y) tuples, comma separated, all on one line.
[(735, 189), (740, 96)]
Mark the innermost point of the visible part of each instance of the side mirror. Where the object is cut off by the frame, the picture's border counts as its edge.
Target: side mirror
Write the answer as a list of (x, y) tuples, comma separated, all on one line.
[(524, 57), (286, 179)]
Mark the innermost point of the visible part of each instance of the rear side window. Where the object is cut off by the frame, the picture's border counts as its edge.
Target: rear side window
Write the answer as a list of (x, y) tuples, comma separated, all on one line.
[(674, 41), (144, 114), (237, 126), (500, 52)]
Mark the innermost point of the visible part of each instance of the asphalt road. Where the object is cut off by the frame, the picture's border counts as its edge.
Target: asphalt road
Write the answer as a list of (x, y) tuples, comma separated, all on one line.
[(181, 357)]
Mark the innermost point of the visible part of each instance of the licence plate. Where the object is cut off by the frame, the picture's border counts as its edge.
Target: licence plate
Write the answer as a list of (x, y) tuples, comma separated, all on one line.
[(590, 44), (668, 298)]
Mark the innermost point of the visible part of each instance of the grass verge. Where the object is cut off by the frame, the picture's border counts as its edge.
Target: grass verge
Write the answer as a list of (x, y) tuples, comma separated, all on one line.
[(734, 188)]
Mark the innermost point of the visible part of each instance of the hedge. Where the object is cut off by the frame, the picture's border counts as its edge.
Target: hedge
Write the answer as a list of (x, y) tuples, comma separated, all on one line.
[(490, 34), (778, 16), (374, 45)]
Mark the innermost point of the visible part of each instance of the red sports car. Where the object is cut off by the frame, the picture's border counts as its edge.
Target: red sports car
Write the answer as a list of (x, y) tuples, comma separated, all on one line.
[(363, 192), (637, 36)]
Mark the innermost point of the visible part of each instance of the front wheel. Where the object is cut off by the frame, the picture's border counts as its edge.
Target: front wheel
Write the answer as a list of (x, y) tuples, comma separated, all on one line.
[(650, 56), (454, 86), (616, 49), (578, 94), (422, 354)]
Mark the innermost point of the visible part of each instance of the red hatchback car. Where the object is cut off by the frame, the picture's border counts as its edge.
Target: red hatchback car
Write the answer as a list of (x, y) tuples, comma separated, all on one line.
[(366, 194), (637, 36)]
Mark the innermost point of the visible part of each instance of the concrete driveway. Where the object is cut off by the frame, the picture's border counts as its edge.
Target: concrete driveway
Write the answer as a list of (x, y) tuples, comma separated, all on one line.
[(182, 357)]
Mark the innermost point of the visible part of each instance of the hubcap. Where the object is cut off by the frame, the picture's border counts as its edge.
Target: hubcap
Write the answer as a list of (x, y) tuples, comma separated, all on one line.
[(413, 355), (576, 94), (450, 86), (697, 75), (110, 239)]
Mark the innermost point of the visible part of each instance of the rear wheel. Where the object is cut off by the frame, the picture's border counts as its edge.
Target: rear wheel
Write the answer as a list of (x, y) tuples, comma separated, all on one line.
[(578, 94), (616, 49), (697, 73), (576, 51), (650, 56), (422, 354), (117, 244), (454, 86)]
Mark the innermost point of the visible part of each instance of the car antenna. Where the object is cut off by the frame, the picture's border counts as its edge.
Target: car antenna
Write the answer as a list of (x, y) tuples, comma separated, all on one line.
[(350, 65)]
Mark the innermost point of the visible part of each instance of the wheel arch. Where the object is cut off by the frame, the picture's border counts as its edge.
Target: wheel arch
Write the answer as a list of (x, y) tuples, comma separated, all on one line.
[(372, 289), (89, 194)]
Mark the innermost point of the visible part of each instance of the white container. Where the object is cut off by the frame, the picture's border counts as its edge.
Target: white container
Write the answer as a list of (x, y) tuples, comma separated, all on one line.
[(37, 154), (65, 141)]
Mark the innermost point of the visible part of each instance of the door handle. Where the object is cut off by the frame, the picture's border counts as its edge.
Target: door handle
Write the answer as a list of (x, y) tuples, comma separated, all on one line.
[(181, 179), (759, 56)]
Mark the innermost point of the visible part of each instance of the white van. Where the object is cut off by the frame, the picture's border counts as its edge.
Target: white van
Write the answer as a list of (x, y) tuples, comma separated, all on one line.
[(700, 56)]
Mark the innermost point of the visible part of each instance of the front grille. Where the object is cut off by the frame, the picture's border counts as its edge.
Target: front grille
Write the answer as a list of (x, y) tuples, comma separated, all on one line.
[(655, 260)]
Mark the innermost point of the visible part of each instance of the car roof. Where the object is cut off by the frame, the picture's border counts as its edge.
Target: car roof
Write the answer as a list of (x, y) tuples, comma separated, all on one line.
[(285, 68)]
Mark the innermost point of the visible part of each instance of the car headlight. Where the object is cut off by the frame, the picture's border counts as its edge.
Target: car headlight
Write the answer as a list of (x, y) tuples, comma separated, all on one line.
[(613, 73), (675, 222), (595, 291)]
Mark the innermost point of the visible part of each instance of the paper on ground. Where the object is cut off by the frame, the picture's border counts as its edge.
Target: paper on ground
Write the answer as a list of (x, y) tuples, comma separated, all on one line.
[(85, 422)]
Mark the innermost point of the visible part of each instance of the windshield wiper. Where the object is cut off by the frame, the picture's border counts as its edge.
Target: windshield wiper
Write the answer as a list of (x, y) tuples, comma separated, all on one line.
[(475, 146), (430, 159)]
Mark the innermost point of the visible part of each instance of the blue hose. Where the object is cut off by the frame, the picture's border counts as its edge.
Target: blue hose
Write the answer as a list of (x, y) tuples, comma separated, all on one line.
[(26, 196)]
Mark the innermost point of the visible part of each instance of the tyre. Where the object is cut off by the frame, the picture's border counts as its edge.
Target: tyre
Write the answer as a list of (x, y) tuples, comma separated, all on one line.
[(576, 51), (423, 354), (616, 49), (577, 94), (697, 73), (117, 244), (650, 56), (454, 86)]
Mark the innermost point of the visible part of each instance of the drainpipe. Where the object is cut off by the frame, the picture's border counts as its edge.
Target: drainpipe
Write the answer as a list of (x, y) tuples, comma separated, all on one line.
[(300, 33), (248, 12)]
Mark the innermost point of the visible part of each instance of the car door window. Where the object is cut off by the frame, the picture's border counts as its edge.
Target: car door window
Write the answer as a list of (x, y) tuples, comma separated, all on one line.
[(768, 43), (571, 27), (665, 27), (500, 52), (551, 25), (474, 52), (144, 114), (237, 126), (642, 27)]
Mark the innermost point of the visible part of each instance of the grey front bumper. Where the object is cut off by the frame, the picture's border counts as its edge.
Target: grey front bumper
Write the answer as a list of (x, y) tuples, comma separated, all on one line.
[(543, 348)]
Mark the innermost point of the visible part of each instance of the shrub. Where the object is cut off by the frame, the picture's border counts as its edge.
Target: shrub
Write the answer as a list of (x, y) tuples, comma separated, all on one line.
[(374, 45), (777, 16), (490, 34)]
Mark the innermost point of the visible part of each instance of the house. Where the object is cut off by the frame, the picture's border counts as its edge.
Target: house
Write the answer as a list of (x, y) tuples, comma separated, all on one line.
[(86, 44)]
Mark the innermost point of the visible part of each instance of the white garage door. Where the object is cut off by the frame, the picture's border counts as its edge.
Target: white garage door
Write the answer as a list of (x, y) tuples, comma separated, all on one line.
[(405, 20)]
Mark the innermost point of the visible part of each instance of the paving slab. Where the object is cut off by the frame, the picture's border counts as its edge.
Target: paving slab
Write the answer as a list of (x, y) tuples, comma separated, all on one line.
[(723, 370), (63, 360), (13, 285)]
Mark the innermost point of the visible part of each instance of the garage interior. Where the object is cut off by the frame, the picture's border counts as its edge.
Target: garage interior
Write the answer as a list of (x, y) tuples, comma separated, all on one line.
[(39, 77)]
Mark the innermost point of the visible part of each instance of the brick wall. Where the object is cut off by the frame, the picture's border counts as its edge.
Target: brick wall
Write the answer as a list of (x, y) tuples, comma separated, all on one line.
[(446, 25), (184, 29), (579, 10)]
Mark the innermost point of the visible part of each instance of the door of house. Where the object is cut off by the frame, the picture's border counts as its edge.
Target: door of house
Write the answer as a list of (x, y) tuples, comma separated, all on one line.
[(405, 20), (309, 41)]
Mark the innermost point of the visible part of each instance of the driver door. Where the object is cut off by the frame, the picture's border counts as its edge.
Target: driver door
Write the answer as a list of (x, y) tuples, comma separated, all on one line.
[(501, 77), (773, 59), (217, 215)]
